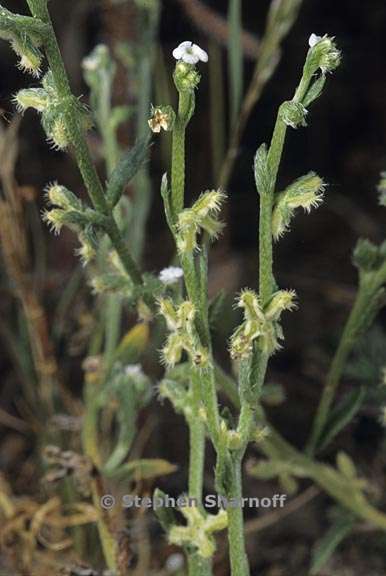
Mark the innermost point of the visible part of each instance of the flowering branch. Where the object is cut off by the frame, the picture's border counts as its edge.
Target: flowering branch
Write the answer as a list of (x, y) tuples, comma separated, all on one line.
[(68, 127)]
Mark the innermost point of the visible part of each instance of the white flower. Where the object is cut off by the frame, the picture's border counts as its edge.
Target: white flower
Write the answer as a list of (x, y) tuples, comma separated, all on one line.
[(314, 39), (190, 53), (171, 275), (174, 563), (133, 370)]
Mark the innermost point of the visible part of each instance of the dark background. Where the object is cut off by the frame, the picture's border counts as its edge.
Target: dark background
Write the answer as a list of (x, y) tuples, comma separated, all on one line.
[(345, 142)]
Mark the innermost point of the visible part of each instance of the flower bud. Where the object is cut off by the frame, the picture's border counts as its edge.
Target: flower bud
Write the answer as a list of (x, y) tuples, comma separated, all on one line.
[(186, 77), (87, 251), (306, 192), (168, 311), (199, 530), (36, 98), (216, 522), (98, 59), (249, 302), (201, 216), (172, 351), (260, 326), (61, 197), (29, 54), (323, 54), (55, 219), (58, 136), (186, 313), (293, 114), (209, 202), (280, 301), (367, 255)]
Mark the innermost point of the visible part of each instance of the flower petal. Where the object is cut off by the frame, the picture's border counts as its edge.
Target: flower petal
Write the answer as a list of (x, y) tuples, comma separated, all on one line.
[(190, 58), (179, 52), (314, 39), (200, 53)]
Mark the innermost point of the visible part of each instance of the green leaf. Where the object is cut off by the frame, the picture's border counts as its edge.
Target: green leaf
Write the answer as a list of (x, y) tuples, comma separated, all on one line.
[(164, 514), (329, 543), (143, 469), (235, 57), (165, 193), (263, 177), (131, 390), (346, 466), (133, 344), (315, 91), (342, 415), (131, 162), (126, 419)]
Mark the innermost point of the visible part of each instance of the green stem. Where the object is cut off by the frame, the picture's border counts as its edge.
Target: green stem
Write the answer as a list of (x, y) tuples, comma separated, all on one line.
[(197, 440), (113, 302), (265, 248), (237, 552), (250, 382), (123, 252), (203, 382), (197, 565), (178, 152), (193, 287)]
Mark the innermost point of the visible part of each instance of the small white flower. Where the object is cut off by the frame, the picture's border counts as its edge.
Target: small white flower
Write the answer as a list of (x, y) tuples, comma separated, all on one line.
[(314, 39), (133, 370), (171, 275), (190, 53), (174, 563)]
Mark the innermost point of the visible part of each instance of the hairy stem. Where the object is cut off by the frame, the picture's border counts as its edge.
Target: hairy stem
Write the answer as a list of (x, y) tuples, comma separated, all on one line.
[(82, 153), (178, 151), (238, 556), (198, 566)]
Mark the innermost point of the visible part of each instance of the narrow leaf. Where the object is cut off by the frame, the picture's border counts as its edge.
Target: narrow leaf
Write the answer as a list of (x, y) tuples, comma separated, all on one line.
[(144, 469), (130, 163), (262, 174), (315, 91), (164, 514), (133, 344), (165, 193), (329, 543), (342, 415)]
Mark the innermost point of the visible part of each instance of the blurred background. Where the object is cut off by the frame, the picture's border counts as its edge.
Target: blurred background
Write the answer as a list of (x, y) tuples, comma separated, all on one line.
[(345, 142)]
